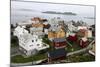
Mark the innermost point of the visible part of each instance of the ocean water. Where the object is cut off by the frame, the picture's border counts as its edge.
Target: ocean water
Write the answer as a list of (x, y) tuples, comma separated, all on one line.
[(19, 14)]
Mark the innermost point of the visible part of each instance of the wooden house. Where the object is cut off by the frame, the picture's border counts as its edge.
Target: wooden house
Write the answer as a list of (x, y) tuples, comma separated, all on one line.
[(83, 42), (59, 43), (84, 33), (56, 34), (72, 37), (58, 54)]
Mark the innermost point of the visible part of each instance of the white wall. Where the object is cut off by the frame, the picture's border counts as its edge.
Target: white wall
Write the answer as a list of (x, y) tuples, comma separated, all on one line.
[(5, 32)]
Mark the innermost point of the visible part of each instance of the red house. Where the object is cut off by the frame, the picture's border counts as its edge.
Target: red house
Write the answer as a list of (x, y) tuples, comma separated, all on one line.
[(83, 42), (72, 37), (59, 43)]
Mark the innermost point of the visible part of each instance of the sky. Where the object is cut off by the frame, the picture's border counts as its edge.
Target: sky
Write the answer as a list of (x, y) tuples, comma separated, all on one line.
[(35, 6)]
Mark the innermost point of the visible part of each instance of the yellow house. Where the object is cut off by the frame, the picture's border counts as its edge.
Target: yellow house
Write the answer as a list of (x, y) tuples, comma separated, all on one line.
[(60, 33), (56, 34), (51, 34)]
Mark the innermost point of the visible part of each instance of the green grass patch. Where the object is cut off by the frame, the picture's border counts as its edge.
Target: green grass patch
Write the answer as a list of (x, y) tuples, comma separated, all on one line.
[(21, 59), (81, 58), (14, 41), (74, 47)]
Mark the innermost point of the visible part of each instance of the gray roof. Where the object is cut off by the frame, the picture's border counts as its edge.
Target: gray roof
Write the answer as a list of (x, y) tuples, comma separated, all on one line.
[(26, 37), (57, 53), (59, 39), (36, 29), (55, 28)]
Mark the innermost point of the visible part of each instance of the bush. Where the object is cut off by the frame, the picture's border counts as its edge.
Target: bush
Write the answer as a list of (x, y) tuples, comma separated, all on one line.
[(21, 59), (14, 41)]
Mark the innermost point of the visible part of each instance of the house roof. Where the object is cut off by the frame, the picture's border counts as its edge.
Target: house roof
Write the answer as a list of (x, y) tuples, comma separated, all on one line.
[(36, 29), (82, 32), (36, 18), (37, 25), (55, 27), (82, 27), (72, 34), (57, 53), (59, 39), (20, 31), (27, 37), (84, 39)]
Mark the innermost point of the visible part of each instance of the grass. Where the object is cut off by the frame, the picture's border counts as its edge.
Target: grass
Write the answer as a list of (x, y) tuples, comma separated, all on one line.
[(14, 45), (81, 58), (74, 47), (14, 41), (21, 59), (46, 40)]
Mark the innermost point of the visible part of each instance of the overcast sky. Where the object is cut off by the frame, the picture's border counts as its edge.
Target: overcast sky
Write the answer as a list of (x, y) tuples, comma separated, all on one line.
[(79, 9)]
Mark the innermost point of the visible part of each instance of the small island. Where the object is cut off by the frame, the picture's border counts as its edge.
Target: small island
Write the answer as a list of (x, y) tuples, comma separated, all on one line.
[(64, 13)]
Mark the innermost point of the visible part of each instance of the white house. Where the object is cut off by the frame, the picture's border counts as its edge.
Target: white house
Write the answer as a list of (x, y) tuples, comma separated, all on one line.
[(46, 31), (71, 27), (81, 27), (36, 31), (29, 44), (19, 30), (89, 33)]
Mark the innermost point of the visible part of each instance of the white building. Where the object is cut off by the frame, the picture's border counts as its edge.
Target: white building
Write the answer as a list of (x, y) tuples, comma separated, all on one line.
[(19, 30), (81, 27), (46, 31), (29, 44), (36, 31), (71, 27), (89, 33)]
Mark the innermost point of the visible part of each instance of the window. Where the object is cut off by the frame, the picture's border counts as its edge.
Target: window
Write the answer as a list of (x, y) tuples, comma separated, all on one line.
[(57, 44), (36, 39), (31, 45), (44, 44), (38, 44), (32, 40)]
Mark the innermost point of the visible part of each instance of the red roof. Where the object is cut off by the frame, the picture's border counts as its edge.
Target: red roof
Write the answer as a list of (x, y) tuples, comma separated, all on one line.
[(83, 43), (72, 38)]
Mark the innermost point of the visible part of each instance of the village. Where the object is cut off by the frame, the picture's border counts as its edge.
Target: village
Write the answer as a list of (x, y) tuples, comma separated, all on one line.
[(42, 41)]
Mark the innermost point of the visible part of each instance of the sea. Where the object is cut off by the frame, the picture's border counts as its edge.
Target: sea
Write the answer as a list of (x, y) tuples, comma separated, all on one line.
[(20, 15)]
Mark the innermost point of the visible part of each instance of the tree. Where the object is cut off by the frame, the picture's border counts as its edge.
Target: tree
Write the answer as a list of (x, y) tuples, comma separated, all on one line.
[(12, 26)]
